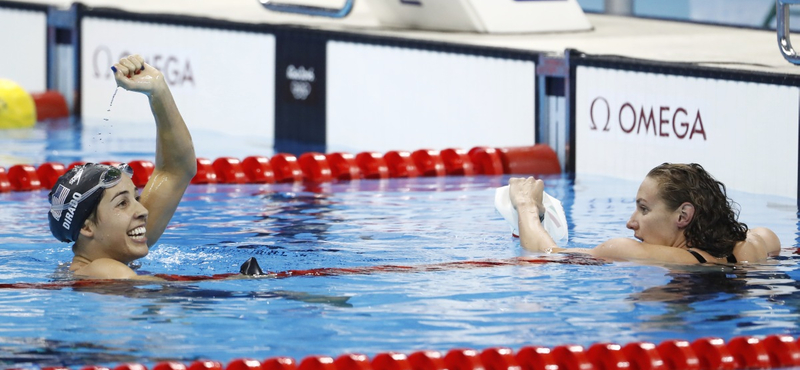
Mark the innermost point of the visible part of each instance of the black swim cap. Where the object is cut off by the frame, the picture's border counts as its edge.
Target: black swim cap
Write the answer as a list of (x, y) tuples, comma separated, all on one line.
[(65, 224)]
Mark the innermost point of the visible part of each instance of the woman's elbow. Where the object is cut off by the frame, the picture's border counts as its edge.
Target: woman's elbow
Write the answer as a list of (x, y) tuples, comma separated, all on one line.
[(772, 243)]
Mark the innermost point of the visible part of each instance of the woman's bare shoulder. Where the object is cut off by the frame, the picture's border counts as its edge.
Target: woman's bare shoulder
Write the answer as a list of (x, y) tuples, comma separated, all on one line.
[(630, 249), (104, 268), (761, 243)]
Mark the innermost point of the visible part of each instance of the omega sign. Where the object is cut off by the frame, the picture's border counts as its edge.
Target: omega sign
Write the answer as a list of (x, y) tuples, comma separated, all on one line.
[(300, 80), (177, 70), (663, 120)]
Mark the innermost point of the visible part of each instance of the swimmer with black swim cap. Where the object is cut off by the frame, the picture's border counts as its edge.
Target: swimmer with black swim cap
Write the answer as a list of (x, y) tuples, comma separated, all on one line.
[(683, 216), (98, 208)]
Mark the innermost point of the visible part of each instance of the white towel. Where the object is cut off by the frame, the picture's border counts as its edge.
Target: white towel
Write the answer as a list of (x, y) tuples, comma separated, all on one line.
[(555, 220)]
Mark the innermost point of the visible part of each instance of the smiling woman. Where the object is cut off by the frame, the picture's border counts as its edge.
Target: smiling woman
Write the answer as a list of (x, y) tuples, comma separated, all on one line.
[(683, 215), (97, 206)]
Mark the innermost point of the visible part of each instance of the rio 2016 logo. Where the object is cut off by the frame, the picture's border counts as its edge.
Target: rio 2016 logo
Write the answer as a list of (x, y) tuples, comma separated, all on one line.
[(300, 81), (663, 120)]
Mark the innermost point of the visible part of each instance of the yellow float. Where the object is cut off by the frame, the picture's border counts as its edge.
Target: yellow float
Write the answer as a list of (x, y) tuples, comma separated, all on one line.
[(17, 109)]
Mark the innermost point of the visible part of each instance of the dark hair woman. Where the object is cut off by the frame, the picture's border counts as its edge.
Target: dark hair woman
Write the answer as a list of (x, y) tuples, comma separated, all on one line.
[(683, 215)]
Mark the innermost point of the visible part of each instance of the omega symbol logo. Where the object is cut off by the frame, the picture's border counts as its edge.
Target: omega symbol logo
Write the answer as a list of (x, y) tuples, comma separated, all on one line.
[(662, 120)]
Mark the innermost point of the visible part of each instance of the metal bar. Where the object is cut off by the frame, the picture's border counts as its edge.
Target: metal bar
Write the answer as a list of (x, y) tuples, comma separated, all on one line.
[(619, 7), (309, 10), (784, 30)]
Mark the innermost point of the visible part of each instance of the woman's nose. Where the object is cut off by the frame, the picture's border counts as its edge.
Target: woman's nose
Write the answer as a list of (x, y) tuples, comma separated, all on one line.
[(633, 225), (142, 212)]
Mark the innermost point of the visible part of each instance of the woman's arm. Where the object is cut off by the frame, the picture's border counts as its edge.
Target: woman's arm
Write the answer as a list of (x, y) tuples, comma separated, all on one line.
[(526, 196), (175, 164), (770, 242)]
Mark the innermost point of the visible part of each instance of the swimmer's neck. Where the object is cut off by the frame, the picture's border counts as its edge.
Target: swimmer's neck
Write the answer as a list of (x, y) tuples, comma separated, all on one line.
[(79, 262)]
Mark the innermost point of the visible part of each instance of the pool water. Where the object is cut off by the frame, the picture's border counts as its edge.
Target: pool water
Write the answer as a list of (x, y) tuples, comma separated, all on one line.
[(428, 229)]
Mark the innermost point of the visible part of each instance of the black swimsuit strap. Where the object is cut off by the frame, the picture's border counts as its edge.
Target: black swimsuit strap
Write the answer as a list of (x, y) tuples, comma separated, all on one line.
[(698, 256), (731, 258)]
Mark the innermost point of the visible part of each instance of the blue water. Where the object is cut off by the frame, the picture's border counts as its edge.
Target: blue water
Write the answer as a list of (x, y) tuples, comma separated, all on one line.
[(425, 224), (417, 222)]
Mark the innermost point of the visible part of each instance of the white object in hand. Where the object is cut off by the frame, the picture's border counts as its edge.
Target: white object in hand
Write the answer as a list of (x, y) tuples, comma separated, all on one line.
[(555, 220)]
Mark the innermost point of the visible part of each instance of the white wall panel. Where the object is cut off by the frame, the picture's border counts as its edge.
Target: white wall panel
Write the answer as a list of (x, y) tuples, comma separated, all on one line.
[(23, 36), (222, 80), (386, 98), (750, 139)]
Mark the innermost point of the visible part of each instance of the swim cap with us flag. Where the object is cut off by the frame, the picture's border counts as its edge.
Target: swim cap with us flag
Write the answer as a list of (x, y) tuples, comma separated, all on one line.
[(75, 196)]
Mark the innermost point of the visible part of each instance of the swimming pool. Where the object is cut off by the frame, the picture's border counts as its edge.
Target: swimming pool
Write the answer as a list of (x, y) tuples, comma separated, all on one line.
[(432, 226)]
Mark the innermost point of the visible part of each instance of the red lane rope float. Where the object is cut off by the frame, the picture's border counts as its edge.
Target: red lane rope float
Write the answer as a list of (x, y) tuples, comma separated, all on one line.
[(172, 365), (49, 173), (258, 170), (229, 170), (749, 353), (608, 356), (668, 355), (457, 162), (678, 355), (352, 361), (372, 165), (50, 104), (572, 357), (315, 167), (23, 178), (400, 164), (713, 354), (499, 358), (539, 159), (244, 364), (142, 170), (5, 184), (486, 160), (343, 166), (286, 168), (536, 358), (320, 168), (279, 363), (462, 359), (643, 356), (782, 350), (429, 162), (205, 172), (427, 360)]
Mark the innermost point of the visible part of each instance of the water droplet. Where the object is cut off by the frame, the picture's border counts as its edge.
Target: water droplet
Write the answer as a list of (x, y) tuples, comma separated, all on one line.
[(111, 104)]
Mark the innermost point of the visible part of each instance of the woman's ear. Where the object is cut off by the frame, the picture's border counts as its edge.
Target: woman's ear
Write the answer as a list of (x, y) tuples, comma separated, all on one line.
[(686, 214), (87, 229)]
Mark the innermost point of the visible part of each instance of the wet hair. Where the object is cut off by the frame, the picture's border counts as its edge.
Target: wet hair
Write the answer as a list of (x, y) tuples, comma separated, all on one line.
[(714, 227)]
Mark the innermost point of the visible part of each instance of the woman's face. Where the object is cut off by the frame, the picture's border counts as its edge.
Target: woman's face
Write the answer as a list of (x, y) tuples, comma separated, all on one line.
[(653, 222), (121, 220)]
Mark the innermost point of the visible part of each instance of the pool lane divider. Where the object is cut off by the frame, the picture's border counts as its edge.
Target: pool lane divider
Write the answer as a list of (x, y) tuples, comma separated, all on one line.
[(324, 271), (315, 167), (707, 353)]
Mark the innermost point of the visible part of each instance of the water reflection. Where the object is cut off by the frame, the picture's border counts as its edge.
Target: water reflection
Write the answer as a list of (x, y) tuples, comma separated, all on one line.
[(741, 294)]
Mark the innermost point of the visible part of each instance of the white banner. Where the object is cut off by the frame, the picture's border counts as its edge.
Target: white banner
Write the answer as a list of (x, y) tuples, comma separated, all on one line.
[(223, 81), (23, 34), (386, 98), (745, 134)]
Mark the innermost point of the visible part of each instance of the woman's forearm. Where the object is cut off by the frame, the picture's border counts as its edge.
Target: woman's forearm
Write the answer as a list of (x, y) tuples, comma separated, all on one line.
[(532, 234), (174, 148)]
